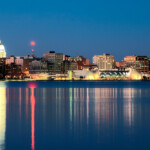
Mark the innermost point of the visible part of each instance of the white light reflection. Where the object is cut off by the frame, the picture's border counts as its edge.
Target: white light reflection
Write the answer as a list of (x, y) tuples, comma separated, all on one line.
[(87, 105), (128, 106), (2, 117), (70, 93)]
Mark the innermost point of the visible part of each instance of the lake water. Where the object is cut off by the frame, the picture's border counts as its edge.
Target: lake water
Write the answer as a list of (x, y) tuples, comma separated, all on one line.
[(75, 115)]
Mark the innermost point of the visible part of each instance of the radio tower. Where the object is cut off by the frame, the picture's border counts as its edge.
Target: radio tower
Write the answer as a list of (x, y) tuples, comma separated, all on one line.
[(32, 43)]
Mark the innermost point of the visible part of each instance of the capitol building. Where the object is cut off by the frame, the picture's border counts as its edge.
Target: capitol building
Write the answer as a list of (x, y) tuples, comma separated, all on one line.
[(2, 51)]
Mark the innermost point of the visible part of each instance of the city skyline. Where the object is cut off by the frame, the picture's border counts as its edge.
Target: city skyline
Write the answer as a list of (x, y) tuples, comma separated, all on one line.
[(76, 27), (32, 46), (57, 66)]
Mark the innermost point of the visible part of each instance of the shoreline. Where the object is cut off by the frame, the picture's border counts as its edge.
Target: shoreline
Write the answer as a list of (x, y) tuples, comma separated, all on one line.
[(12, 80)]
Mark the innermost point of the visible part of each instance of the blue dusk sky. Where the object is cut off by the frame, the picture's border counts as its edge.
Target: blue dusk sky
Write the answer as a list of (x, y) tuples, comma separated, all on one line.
[(76, 27)]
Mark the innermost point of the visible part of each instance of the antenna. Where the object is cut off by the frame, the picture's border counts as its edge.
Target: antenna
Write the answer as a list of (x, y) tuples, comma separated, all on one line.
[(32, 43), (32, 52)]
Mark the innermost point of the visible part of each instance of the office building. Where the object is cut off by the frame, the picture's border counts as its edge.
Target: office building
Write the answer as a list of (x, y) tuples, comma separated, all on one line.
[(54, 62), (139, 63), (104, 62)]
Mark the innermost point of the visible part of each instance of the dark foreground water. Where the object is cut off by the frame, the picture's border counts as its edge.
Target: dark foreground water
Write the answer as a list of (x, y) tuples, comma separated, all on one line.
[(75, 115)]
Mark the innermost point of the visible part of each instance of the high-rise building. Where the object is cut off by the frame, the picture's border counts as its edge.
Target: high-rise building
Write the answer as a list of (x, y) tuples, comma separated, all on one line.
[(104, 62), (2, 51), (55, 61), (37, 67), (139, 63), (69, 65), (96, 59), (80, 60), (53, 57)]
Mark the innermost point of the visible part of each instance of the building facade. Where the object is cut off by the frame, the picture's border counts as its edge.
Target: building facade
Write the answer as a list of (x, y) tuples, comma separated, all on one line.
[(80, 60), (104, 62), (2, 68), (69, 66), (37, 67), (54, 62), (22, 61), (139, 63), (120, 65), (13, 71)]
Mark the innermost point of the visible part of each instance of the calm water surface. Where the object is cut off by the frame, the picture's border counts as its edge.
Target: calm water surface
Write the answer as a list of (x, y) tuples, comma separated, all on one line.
[(75, 115)]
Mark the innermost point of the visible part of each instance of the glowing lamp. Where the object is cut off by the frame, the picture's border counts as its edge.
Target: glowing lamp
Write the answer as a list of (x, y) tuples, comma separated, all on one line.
[(32, 43)]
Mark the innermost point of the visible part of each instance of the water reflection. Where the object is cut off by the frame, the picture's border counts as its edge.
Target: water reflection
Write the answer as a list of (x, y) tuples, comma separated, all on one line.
[(2, 117), (32, 86), (128, 106), (32, 119), (103, 104), (79, 116), (20, 101), (27, 101), (70, 93)]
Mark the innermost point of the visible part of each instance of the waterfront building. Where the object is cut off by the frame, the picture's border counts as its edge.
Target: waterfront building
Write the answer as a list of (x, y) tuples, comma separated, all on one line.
[(66, 57), (130, 59), (120, 65), (2, 51), (149, 64), (2, 68), (19, 61), (85, 74), (13, 71), (90, 67), (69, 65), (114, 74), (104, 62), (96, 59), (142, 64), (37, 67), (139, 63), (54, 60), (53, 57), (54, 68), (73, 66), (10, 59), (26, 61), (80, 60), (22, 61)]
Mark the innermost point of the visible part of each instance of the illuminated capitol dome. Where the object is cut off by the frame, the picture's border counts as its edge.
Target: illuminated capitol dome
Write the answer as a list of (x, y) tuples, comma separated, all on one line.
[(2, 51)]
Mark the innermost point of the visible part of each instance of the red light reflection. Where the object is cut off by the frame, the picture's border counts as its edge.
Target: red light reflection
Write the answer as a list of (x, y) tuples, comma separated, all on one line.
[(32, 118), (32, 85)]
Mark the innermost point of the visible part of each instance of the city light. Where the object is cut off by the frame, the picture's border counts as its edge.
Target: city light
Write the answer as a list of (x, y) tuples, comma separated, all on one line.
[(32, 43), (57, 66)]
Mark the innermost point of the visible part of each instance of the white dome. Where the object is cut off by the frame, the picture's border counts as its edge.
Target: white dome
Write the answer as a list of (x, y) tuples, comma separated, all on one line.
[(2, 51), (2, 48)]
